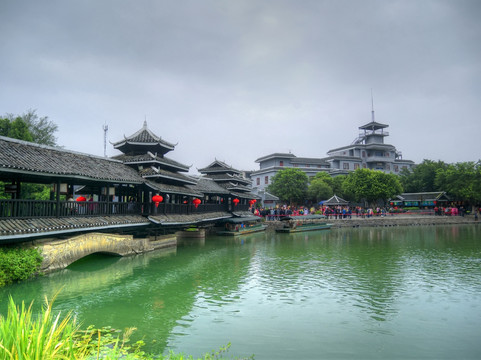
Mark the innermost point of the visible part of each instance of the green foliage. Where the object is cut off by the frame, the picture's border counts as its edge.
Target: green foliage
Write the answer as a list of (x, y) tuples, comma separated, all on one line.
[(371, 185), (29, 127), (422, 177), (324, 176), (461, 180), (24, 336), (319, 190), (337, 186), (49, 336), (290, 185), (17, 264)]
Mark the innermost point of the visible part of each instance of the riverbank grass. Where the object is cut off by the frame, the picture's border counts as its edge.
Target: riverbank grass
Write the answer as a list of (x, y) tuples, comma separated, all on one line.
[(18, 264), (26, 336)]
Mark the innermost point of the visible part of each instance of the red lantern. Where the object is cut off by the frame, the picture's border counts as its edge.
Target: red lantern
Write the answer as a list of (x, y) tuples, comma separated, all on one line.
[(157, 199), (81, 198), (196, 202), (252, 202), (235, 201)]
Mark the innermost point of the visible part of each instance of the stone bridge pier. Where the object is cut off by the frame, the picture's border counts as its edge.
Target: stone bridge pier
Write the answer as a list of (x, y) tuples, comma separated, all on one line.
[(58, 254)]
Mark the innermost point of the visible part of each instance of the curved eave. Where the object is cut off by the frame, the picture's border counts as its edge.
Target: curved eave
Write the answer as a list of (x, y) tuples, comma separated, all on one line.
[(67, 176), (157, 176), (154, 161), (129, 146)]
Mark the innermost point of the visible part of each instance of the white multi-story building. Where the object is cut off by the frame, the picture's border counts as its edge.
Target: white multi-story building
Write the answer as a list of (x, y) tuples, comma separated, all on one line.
[(367, 151)]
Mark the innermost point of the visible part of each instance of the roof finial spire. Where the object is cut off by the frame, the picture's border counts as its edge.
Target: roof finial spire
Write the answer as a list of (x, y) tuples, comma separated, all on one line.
[(372, 107), (145, 121)]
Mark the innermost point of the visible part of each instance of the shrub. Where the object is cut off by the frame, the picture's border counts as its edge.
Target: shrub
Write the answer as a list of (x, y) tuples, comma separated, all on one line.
[(18, 264)]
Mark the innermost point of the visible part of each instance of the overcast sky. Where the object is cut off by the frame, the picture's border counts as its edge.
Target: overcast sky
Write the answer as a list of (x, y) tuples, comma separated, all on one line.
[(240, 79)]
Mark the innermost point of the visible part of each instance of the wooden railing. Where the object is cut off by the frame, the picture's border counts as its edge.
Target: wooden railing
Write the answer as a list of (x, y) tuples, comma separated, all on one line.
[(23, 209)]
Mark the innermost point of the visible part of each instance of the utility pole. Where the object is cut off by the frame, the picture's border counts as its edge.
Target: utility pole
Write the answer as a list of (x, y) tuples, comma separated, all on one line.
[(106, 128)]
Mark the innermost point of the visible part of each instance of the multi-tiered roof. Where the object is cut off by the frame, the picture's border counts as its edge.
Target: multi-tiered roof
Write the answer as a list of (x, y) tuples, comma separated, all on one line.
[(145, 152), (228, 178)]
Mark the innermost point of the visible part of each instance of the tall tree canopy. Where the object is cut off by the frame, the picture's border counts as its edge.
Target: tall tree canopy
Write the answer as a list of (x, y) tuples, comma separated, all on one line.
[(289, 185), (29, 127), (422, 177), (461, 180), (320, 187), (371, 185)]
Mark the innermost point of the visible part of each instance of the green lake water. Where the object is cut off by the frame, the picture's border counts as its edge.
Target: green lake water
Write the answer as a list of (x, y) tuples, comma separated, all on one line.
[(364, 293)]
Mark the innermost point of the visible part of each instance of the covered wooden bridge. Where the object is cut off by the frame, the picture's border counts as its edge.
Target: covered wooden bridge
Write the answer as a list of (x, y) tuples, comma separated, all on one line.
[(91, 193)]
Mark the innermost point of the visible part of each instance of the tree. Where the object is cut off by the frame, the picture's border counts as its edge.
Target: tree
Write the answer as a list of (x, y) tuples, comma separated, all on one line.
[(372, 185), (319, 190), (461, 180), (422, 177), (29, 127), (289, 185), (337, 187)]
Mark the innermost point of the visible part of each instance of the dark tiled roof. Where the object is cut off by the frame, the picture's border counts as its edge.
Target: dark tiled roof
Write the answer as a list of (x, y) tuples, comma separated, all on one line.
[(174, 219), (144, 136), (218, 166), (172, 189), (236, 187), (17, 156), (151, 158), (156, 173), (208, 186), (244, 195), (424, 196), (229, 177), (335, 200), (11, 229)]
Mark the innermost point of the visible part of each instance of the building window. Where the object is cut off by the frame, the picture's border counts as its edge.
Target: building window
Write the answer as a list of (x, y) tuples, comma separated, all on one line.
[(296, 165), (266, 180), (396, 168), (363, 154), (258, 181), (388, 167), (281, 163), (346, 166), (356, 166), (364, 166)]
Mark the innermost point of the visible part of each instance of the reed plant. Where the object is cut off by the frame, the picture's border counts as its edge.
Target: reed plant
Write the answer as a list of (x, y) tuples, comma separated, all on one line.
[(25, 335)]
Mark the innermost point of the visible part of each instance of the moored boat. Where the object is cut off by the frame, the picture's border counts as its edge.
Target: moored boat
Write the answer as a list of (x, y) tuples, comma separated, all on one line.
[(300, 223), (241, 225)]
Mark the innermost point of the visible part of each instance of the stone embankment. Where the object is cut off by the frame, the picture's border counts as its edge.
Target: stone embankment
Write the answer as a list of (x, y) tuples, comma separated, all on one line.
[(395, 220)]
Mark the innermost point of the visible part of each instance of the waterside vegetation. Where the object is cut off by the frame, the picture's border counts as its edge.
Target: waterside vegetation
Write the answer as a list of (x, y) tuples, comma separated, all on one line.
[(25, 336), (18, 264)]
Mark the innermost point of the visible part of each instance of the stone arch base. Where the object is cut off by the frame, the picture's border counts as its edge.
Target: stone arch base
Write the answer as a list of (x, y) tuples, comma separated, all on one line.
[(58, 254)]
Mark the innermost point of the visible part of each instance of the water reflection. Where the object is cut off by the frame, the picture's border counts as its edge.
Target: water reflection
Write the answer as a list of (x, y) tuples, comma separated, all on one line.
[(283, 290)]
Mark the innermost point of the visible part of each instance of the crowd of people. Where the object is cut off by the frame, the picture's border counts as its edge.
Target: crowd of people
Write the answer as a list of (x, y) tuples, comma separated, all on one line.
[(348, 212)]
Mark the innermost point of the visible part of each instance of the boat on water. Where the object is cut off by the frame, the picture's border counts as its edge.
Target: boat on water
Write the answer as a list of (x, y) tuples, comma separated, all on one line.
[(299, 223), (241, 225)]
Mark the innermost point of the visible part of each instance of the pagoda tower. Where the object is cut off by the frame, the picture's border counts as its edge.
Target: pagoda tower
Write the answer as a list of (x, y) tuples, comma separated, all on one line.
[(145, 152)]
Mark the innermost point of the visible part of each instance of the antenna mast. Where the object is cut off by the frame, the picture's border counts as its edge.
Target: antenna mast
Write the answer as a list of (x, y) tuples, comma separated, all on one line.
[(372, 107), (106, 128)]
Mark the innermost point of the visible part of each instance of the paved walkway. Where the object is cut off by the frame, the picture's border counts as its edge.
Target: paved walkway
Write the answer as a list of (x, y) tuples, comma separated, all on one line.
[(395, 220)]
